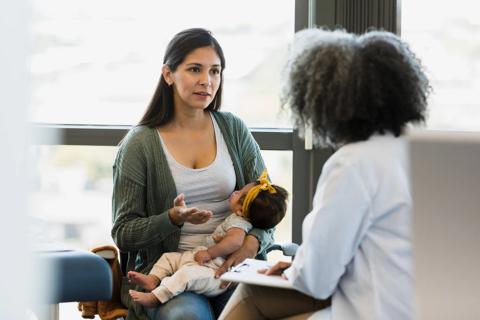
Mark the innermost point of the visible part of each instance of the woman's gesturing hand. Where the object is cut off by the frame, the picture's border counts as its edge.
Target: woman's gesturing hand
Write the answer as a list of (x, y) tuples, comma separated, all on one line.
[(180, 213)]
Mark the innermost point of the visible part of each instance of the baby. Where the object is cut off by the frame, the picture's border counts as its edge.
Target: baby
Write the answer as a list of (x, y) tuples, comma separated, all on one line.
[(257, 205)]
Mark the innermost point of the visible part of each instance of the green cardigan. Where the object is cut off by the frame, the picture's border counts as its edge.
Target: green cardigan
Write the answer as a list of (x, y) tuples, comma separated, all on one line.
[(144, 189)]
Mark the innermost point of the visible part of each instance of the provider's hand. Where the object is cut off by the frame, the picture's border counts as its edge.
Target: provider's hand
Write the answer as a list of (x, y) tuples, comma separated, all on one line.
[(180, 214), (277, 269), (249, 249), (202, 257)]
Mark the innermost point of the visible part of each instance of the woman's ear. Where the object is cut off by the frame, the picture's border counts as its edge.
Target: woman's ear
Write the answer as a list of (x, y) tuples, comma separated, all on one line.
[(167, 74)]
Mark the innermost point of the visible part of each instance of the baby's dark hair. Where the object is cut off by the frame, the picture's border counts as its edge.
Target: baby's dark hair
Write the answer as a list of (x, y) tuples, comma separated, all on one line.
[(267, 209)]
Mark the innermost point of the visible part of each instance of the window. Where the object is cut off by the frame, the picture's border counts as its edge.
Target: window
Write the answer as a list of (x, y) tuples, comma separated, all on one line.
[(91, 67), (444, 35), (98, 62), (71, 201)]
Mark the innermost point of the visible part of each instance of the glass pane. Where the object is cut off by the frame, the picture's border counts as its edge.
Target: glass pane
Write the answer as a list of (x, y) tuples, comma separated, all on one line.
[(71, 202), (98, 62), (72, 199), (445, 36), (280, 164)]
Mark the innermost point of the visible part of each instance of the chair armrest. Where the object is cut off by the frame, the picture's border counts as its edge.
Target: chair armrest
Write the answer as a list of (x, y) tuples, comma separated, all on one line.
[(76, 275), (288, 249)]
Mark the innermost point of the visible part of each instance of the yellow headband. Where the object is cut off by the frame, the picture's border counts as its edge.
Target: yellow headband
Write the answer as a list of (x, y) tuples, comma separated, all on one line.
[(263, 185)]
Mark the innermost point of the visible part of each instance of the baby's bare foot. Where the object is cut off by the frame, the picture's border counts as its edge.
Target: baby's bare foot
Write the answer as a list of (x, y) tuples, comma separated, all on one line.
[(147, 282), (145, 299)]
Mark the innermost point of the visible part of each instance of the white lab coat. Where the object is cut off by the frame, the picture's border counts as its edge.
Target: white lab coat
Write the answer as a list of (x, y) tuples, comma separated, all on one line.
[(356, 240)]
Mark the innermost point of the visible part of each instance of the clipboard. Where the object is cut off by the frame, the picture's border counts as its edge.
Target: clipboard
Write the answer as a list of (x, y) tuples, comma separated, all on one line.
[(247, 272)]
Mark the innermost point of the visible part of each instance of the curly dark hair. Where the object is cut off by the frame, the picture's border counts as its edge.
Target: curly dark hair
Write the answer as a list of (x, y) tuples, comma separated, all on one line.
[(349, 87), (267, 209)]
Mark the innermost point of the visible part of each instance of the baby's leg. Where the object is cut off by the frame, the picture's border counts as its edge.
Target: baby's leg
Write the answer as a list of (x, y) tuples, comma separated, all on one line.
[(196, 278), (147, 282), (168, 264), (146, 299), (165, 266)]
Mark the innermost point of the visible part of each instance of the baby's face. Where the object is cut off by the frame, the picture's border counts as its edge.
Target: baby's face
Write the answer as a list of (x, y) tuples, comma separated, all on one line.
[(235, 204)]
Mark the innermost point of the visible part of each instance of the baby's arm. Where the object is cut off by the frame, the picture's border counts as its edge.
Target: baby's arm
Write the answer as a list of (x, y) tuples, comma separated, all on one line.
[(232, 241)]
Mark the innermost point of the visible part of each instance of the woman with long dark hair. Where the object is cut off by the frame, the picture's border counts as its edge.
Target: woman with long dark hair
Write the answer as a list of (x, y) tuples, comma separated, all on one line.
[(175, 170)]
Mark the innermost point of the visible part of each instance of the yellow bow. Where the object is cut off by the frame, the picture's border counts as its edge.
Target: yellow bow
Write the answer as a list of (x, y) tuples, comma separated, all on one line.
[(263, 185)]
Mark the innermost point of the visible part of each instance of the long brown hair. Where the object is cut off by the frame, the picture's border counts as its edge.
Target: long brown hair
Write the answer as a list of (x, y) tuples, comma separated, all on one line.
[(161, 108)]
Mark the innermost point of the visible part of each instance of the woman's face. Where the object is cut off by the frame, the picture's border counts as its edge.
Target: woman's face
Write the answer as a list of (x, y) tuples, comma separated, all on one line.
[(196, 80)]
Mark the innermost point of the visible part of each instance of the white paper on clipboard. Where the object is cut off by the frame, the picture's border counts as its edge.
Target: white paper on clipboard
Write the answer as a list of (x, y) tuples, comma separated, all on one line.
[(247, 272)]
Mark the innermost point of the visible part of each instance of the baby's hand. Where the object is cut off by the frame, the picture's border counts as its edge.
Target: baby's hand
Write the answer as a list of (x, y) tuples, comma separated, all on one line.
[(202, 257)]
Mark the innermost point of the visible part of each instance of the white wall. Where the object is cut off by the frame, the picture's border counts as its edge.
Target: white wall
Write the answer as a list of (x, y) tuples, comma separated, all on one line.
[(14, 100)]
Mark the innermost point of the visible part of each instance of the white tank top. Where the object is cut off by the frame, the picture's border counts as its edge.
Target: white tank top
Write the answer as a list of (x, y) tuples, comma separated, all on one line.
[(206, 188)]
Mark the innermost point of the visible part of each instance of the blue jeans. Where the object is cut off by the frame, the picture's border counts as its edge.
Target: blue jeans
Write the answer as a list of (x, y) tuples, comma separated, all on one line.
[(192, 306)]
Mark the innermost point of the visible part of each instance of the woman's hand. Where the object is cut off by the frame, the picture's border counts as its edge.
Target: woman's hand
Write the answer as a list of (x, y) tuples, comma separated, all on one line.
[(276, 269), (180, 213), (249, 249)]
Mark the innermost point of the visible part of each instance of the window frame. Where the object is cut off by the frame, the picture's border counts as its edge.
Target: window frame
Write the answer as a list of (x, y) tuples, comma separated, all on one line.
[(307, 162), (271, 139)]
